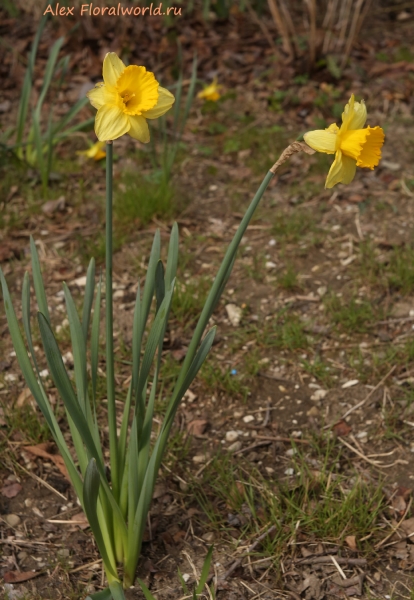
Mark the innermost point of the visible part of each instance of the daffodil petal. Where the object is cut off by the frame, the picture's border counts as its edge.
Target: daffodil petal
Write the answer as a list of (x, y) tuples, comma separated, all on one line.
[(139, 129), (110, 123), (165, 101), (101, 95), (348, 114), (359, 116), (342, 170), (112, 69), (321, 140), (97, 95)]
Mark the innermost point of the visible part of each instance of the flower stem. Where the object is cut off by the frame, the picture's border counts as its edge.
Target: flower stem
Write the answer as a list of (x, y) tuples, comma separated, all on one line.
[(110, 378)]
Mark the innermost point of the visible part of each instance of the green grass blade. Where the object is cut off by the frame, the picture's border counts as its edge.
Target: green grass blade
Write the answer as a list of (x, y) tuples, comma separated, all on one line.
[(95, 340), (87, 303), (26, 319), (37, 389), (122, 440), (205, 571), (159, 284), (38, 281), (102, 595), (145, 591), (137, 333), (71, 114), (40, 160), (190, 94), (64, 386), (172, 258), (27, 84), (154, 338), (117, 591), (150, 277), (91, 487), (49, 72), (79, 351)]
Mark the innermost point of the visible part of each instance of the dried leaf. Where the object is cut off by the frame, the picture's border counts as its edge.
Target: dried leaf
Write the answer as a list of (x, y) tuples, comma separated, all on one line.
[(11, 490), (42, 451), (341, 429), (18, 576), (351, 541), (197, 427)]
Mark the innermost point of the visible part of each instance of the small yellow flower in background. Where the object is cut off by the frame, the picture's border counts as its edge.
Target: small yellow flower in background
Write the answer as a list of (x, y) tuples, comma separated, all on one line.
[(210, 92), (125, 99), (96, 151), (353, 146)]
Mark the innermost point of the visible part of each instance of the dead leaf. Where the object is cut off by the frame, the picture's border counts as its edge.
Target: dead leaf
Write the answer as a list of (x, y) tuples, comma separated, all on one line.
[(42, 451), (197, 427), (11, 490), (25, 397), (80, 520), (351, 541), (341, 429), (18, 576), (52, 206), (408, 527)]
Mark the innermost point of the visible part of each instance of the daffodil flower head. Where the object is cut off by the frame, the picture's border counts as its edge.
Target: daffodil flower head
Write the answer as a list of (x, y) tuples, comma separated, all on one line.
[(353, 145), (126, 98), (210, 92), (96, 151)]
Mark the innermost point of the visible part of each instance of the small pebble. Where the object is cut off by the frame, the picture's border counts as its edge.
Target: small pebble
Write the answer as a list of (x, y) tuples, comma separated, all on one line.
[(235, 447), (200, 459), (232, 436), (248, 418), (319, 394), (12, 520), (290, 471)]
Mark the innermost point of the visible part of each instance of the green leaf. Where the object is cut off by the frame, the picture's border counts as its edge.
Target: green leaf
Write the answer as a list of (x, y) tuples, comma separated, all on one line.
[(159, 284), (91, 487), (38, 281), (79, 351), (95, 340), (27, 84), (172, 258), (48, 74), (205, 571), (87, 303), (64, 386), (116, 590), (145, 590), (37, 390), (101, 595)]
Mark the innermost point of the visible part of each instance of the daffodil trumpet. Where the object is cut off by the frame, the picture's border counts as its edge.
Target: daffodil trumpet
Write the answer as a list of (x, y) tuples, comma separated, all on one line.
[(352, 144)]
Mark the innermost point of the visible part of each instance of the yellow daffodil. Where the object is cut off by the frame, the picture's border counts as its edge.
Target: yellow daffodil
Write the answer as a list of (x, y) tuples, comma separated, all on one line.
[(352, 145), (96, 151), (210, 92), (125, 99)]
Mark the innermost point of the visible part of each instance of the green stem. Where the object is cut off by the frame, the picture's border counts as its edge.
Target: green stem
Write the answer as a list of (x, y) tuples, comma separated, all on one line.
[(212, 297), (110, 377)]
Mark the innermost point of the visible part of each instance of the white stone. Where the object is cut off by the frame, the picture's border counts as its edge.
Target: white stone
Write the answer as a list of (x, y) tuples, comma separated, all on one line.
[(319, 394), (235, 447), (248, 418), (232, 436), (234, 314)]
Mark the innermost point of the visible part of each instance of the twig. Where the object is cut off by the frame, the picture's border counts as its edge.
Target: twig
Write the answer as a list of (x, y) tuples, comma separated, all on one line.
[(335, 562), (396, 527), (45, 483), (281, 439), (367, 397), (317, 560), (249, 549)]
